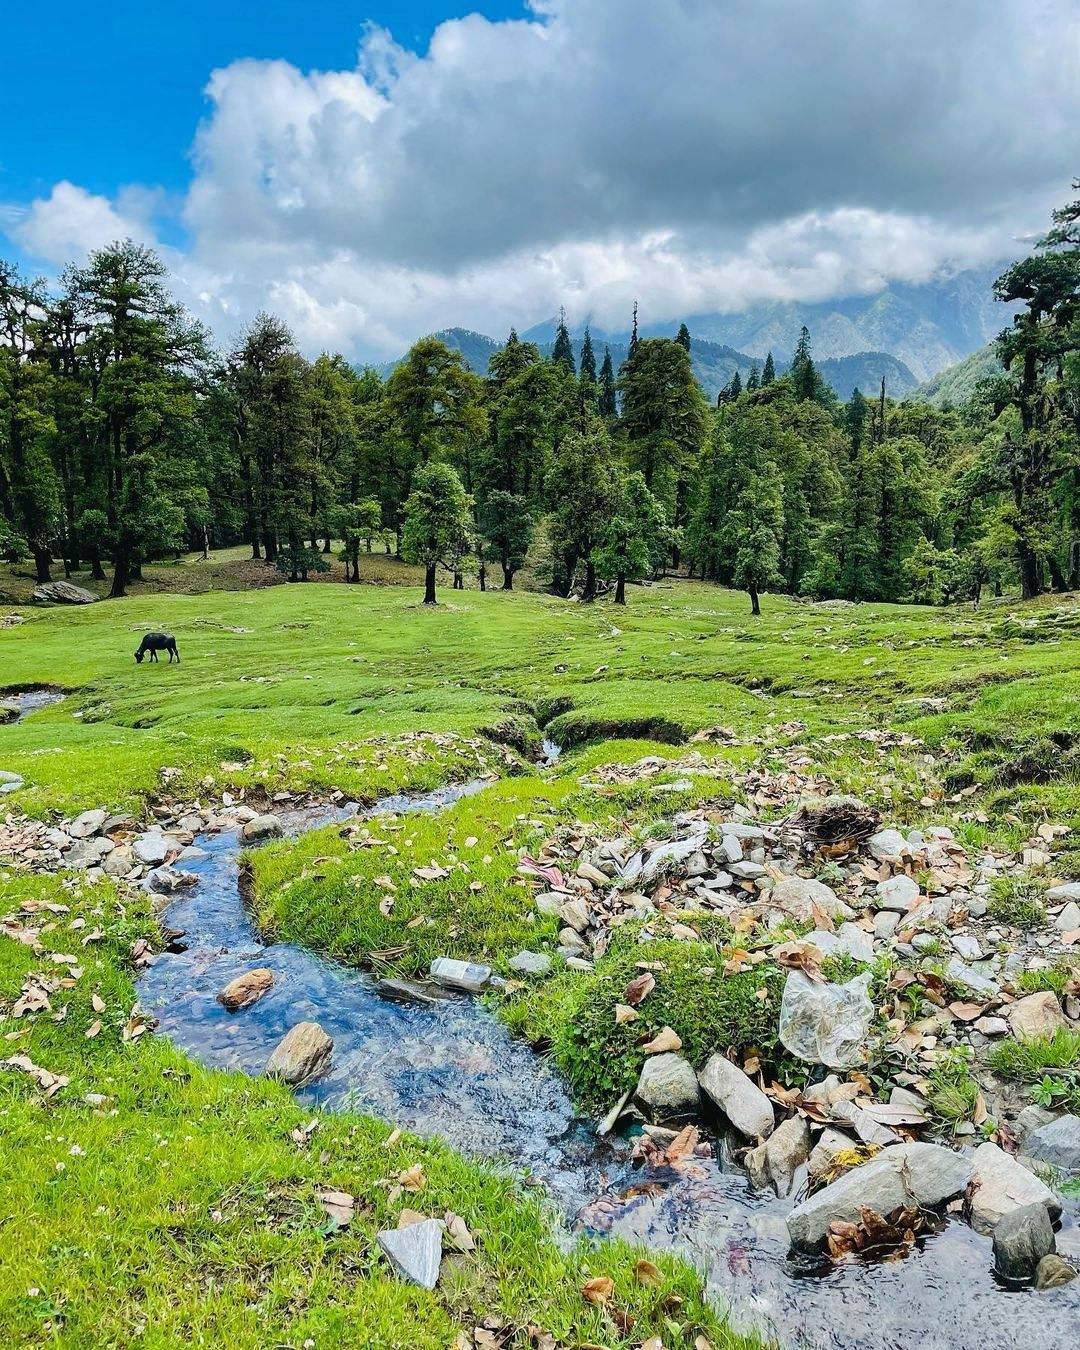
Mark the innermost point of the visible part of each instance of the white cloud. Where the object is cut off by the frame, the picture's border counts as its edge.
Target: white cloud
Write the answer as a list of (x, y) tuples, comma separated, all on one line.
[(698, 154), (70, 222)]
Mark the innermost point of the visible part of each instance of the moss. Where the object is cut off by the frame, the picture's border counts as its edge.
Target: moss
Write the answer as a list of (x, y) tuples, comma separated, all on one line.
[(709, 1011)]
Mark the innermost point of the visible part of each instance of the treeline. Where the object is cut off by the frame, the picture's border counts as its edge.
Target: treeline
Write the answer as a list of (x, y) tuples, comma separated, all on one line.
[(124, 437)]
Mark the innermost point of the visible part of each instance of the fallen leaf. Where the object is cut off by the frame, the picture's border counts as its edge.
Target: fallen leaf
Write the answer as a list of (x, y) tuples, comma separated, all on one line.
[(639, 988), (457, 1230), (598, 1290), (94, 1029), (624, 1013), (647, 1273), (340, 1206), (413, 1178), (664, 1040)]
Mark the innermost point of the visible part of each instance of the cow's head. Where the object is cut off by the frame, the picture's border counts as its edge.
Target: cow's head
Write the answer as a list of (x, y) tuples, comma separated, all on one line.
[(139, 655)]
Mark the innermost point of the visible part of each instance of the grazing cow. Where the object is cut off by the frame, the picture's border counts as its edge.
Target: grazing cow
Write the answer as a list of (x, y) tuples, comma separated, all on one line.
[(157, 642)]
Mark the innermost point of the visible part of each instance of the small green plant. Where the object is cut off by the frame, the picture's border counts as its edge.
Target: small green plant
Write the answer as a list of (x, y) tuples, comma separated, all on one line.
[(1054, 979), (1050, 1090), (1018, 900), (1029, 1061), (954, 1092)]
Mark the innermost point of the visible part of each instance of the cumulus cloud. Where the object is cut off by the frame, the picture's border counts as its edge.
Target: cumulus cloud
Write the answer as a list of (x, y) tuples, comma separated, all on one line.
[(70, 222), (698, 154)]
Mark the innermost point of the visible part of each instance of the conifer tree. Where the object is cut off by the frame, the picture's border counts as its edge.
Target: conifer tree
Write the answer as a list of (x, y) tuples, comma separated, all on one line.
[(753, 380), (633, 334), (683, 336), (588, 358), (562, 353), (607, 401), (769, 372)]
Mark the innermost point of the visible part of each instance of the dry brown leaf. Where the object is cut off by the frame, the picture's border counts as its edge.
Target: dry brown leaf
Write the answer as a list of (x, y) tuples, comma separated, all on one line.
[(413, 1178), (624, 1013), (94, 1029), (639, 988), (598, 1290), (340, 1206), (664, 1040), (97, 1003), (645, 1272), (457, 1230)]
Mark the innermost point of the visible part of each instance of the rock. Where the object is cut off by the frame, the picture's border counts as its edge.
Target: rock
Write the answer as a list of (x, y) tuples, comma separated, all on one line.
[(62, 593), (90, 822), (9, 712), (246, 989), (530, 963), (898, 893), (263, 827), (87, 853), (575, 914), (797, 896), (151, 849), (966, 946), (120, 862), (1070, 891), (1035, 1016), (886, 922), (466, 975), (549, 903), (732, 848), (1056, 1143), (826, 1023), (1069, 918), (922, 1174), (969, 979), (856, 941), (781, 1155), (746, 871), (415, 1251), (169, 880), (302, 1054), (9, 782), (886, 844), (667, 1088), (1021, 1239), (992, 1026), (738, 1097), (1000, 1185), (1052, 1272), (409, 991)]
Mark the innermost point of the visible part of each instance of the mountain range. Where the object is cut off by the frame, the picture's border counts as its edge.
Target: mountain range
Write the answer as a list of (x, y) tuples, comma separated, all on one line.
[(906, 332)]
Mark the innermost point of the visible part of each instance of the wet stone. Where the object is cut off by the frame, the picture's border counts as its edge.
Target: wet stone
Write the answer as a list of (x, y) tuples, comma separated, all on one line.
[(667, 1088), (1052, 1272), (263, 827), (1021, 1239), (302, 1054), (246, 989)]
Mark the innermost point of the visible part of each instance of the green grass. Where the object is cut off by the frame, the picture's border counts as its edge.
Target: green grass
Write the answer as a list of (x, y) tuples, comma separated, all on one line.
[(1027, 1061), (1018, 900), (174, 1206)]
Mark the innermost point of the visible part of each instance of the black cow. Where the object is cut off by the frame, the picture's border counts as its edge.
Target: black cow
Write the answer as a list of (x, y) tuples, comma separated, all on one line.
[(157, 642)]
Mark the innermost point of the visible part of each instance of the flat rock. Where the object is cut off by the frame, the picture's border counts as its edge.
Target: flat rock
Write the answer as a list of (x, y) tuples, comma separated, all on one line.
[(409, 991), (415, 1251), (263, 827), (738, 1097), (1069, 891), (62, 593), (1021, 1239), (530, 963), (1056, 1143), (1035, 1016), (970, 979), (898, 893), (797, 896), (302, 1054), (246, 989), (1069, 918), (169, 880), (667, 1088), (86, 824), (87, 853), (10, 782), (151, 849), (1000, 1184), (120, 862)]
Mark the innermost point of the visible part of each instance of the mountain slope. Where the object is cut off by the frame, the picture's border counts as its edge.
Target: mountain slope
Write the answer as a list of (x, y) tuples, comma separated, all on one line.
[(955, 384)]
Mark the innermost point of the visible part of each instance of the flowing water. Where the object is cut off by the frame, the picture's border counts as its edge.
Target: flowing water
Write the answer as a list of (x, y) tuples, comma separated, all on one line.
[(454, 1071), (31, 700)]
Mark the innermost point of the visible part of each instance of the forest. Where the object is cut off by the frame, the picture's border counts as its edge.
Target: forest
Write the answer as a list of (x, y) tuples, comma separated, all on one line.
[(126, 437)]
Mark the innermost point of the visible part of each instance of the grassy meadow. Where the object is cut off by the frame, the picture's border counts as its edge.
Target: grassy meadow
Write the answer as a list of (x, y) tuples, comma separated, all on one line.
[(146, 1175)]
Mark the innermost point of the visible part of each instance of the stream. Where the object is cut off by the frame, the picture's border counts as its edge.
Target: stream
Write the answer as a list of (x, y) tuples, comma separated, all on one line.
[(453, 1070)]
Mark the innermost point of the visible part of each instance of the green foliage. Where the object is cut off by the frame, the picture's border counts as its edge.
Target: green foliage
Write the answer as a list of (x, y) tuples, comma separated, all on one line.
[(953, 1091), (1018, 900), (1028, 1060), (438, 522)]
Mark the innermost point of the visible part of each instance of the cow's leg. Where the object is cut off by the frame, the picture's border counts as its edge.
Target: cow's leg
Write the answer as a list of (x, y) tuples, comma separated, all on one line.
[(153, 653)]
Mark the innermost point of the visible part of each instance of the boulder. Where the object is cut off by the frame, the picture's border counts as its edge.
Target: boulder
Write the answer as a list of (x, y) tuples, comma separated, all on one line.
[(920, 1174), (826, 1023), (898, 893), (263, 827), (886, 844), (119, 862), (151, 849), (667, 1088), (87, 853), (169, 880), (1021, 1239), (1069, 891), (1052, 1272), (1056, 1143), (86, 824), (738, 1097), (530, 963), (62, 593), (1000, 1185), (414, 1251), (246, 989), (797, 896), (302, 1054), (781, 1155), (1036, 1016)]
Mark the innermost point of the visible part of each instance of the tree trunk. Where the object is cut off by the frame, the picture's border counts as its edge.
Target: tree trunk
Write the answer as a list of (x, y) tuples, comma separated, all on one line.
[(96, 569), (1057, 576), (459, 582), (1030, 581), (1074, 565), (508, 578), (620, 589), (755, 607), (589, 593), (481, 576), (205, 544), (121, 574), (429, 584), (43, 564)]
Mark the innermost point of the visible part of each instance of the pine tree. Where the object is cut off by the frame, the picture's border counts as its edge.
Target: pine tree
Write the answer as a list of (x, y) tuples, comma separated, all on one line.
[(735, 386), (754, 379), (769, 373), (588, 359), (607, 401), (633, 334), (683, 336), (562, 353)]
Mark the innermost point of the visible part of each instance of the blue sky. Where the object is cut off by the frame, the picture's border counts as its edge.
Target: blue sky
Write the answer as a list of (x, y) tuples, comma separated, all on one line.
[(110, 94)]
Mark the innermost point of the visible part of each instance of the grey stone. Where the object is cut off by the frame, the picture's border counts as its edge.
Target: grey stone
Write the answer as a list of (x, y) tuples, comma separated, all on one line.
[(575, 914), (746, 871), (1036, 1016), (10, 782), (415, 1251), (886, 922), (966, 946), (898, 893), (530, 963), (87, 853), (151, 849), (263, 827), (119, 862), (732, 848), (86, 824), (302, 1054), (169, 880), (886, 844), (1052, 1272), (63, 593), (1056, 1143), (826, 1023), (1000, 1185), (798, 895), (1069, 891), (1021, 1239), (781, 1155), (828, 1148), (969, 979), (738, 1097), (667, 1088), (549, 903), (1069, 918)]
